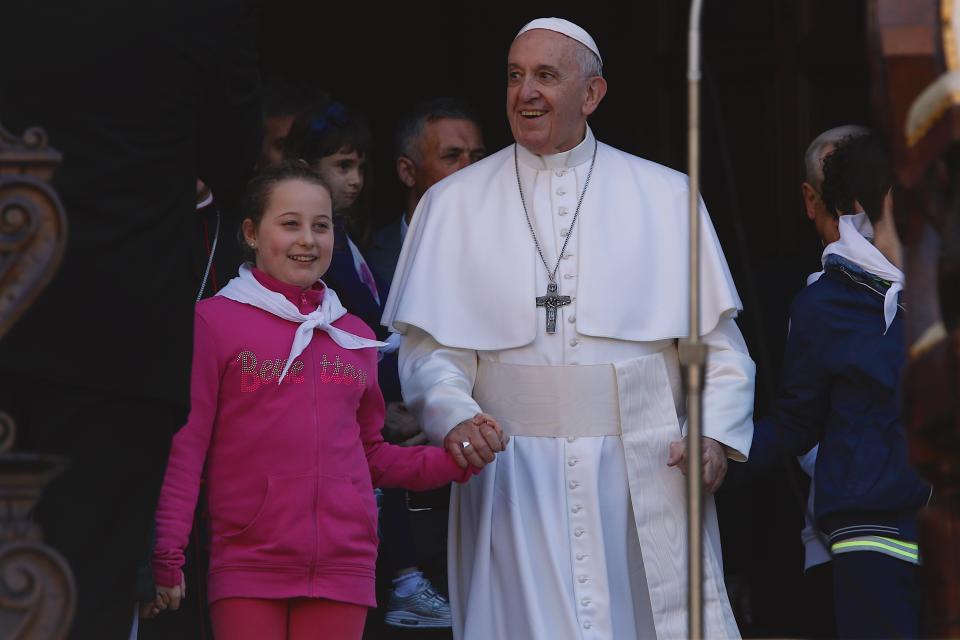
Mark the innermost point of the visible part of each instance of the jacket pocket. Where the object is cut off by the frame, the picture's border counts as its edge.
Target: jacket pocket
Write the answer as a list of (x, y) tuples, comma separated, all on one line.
[(347, 521), (282, 531)]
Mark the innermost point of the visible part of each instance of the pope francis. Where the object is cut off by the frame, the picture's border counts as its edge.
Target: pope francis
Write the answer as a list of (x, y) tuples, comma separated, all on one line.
[(545, 286)]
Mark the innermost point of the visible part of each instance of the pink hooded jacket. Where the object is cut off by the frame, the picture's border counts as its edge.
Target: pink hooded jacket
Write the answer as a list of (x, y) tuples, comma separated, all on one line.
[(288, 467)]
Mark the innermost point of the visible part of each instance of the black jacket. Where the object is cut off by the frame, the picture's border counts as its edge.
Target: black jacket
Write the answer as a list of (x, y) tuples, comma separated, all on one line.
[(356, 297), (384, 252)]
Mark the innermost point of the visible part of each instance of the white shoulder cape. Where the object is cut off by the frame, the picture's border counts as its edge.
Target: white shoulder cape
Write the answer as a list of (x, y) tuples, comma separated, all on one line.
[(466, 272)]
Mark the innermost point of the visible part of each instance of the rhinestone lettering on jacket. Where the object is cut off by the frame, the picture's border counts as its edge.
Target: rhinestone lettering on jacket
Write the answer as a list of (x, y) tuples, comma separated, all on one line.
[(255, 373), (340, 373)]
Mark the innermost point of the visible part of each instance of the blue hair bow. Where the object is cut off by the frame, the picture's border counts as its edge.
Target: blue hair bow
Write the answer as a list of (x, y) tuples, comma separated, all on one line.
[(334, 116)]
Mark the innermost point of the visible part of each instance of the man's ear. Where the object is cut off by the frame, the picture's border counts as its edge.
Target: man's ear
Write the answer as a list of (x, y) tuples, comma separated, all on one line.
[(810, 198), (406, 171), (596, 89)]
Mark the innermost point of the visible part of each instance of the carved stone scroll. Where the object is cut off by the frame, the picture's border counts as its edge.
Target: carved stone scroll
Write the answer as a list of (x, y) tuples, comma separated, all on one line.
[(32, 222), (37, 591)]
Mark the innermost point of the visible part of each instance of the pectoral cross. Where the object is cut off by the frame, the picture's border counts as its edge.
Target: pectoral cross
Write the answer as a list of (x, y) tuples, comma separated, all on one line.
[(552, 302)]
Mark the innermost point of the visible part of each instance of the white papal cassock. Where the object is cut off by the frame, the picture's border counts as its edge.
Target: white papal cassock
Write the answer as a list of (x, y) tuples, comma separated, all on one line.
[(569, 536)]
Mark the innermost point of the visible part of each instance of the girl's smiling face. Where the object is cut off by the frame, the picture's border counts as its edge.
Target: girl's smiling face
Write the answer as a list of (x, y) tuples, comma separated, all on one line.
[(294, 239), (344, 171)]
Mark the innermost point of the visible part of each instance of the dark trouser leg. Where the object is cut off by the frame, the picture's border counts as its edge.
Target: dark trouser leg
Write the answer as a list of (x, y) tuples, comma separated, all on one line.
[(818, 617), (398, 543), (876, 596), (98, 513)]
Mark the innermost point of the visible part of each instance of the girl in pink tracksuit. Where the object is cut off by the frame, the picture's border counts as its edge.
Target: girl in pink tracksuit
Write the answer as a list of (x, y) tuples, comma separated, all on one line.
[(285, 426)]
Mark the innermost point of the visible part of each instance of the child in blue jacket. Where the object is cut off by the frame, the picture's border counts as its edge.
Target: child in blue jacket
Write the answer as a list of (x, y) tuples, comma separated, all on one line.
[(840, 386)]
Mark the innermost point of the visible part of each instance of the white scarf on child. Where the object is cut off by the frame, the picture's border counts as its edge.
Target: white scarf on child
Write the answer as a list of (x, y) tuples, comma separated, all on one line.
[(855, 245), (246, 289)]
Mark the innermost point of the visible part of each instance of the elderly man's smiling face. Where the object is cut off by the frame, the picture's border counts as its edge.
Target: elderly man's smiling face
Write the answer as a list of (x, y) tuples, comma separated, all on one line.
[(548, 95)]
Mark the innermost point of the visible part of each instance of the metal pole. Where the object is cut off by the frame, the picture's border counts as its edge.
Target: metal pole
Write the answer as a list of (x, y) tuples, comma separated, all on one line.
[(693, 351)]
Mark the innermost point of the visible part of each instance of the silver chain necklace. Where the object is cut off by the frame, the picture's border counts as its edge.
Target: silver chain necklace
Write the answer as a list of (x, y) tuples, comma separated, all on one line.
[(553, 300)]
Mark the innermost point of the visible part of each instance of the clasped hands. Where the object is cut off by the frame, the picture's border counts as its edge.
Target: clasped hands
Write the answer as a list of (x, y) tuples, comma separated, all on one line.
[(714, 460), (476, 441)]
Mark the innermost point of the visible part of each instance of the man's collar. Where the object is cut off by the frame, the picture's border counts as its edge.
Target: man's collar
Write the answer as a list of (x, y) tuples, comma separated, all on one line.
[(580, 154)]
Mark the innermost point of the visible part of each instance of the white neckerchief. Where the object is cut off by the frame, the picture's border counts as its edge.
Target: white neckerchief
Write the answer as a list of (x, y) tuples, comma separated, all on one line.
[(246, 289), (855, 246)]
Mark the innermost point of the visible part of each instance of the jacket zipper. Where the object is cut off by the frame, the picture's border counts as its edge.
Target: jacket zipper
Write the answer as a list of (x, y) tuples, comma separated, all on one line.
[(864, 284), (316, 484)]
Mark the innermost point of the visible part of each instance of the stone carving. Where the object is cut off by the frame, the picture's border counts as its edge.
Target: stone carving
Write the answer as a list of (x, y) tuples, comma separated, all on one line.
[(32, 222), (37, 591)]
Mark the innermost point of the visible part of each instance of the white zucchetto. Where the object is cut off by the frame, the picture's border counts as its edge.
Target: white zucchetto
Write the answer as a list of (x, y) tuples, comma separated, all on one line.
[(565, 27)]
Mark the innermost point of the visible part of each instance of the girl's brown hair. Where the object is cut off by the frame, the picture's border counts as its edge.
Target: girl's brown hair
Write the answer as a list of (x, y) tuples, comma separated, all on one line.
[(258, 191)]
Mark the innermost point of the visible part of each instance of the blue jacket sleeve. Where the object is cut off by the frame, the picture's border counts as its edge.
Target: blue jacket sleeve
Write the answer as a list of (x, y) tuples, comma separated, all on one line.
[(803, 401)]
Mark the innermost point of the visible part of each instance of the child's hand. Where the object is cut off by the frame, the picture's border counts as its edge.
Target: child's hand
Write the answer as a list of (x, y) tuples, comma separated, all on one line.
[(160, 603), (476, 441), (484, 419), (167, 598), (150, 609)]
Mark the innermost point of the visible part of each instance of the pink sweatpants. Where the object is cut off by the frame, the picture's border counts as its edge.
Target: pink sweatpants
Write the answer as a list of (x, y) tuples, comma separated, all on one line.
[(293, 619)]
